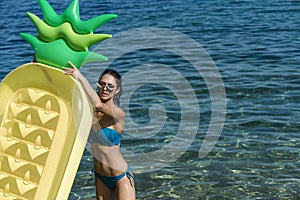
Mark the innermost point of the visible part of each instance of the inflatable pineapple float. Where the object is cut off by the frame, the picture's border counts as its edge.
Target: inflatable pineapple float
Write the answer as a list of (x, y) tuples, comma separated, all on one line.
[(45, 115)]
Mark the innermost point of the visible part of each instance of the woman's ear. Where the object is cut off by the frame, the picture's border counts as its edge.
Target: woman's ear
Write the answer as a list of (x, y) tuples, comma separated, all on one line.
[(117, 90)]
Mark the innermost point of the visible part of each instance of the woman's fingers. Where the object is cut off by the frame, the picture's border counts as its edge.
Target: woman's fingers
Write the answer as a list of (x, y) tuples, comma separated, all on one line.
[(73, 71), (72, 65)]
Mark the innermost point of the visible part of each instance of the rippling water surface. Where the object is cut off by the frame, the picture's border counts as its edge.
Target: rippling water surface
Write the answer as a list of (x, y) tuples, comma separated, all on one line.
[(255, 46)]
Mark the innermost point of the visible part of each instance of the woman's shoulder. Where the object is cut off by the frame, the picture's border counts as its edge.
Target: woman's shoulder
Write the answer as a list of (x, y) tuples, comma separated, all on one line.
[(119, 116), (119, 110)]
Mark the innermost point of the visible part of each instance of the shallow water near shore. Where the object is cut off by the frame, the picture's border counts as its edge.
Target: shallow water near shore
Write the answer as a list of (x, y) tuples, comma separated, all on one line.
[(255, 47)]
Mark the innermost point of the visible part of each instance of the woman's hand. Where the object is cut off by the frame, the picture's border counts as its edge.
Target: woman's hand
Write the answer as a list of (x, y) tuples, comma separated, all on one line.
[(73, 71)]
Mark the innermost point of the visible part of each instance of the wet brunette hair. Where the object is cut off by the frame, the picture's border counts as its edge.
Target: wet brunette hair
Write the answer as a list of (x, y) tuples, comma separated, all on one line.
[(118, 78)]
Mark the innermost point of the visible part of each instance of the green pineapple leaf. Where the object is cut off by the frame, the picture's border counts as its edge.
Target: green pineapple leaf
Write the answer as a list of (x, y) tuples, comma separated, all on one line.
[(58, 53), (71, 14)]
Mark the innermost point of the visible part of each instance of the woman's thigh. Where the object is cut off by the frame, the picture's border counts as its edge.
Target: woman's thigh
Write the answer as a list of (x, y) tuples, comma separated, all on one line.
[(125, 189), (102, 191)]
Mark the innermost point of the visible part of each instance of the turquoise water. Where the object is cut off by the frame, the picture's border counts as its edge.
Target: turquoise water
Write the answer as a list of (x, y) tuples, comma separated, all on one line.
[(255, 47)]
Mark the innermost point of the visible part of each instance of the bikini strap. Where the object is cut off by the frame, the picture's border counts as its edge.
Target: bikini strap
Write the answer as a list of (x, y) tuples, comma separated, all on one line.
[(129, 176)]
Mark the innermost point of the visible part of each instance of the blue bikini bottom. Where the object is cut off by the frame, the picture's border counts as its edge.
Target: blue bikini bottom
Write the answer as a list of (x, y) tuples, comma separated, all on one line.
[(111, 181)]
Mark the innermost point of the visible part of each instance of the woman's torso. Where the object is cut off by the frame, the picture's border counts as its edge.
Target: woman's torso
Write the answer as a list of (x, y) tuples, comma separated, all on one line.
[(108, 160)]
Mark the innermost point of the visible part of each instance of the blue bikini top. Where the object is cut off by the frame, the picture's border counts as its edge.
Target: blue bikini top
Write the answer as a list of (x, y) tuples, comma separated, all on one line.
[(105, 136)]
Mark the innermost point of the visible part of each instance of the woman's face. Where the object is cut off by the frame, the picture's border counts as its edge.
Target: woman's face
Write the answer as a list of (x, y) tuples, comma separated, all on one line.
[(107, 87)]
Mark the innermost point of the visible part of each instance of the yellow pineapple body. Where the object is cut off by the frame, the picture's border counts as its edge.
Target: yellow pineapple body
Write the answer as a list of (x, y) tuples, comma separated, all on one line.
[(43, 132)]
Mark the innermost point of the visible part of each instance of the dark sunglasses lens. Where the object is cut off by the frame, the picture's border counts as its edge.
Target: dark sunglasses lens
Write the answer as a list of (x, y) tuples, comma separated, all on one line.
[(102, 84), (109, 87)]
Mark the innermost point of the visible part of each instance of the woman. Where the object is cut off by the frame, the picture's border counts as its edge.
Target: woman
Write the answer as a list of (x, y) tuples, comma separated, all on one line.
[(114, 180)]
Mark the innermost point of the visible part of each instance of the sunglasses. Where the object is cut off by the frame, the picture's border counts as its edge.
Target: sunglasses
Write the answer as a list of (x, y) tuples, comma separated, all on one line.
[(109, 87)]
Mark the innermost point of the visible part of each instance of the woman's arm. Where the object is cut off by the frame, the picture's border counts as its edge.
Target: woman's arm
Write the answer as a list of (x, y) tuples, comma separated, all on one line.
[(93, 96), (110, 110)]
